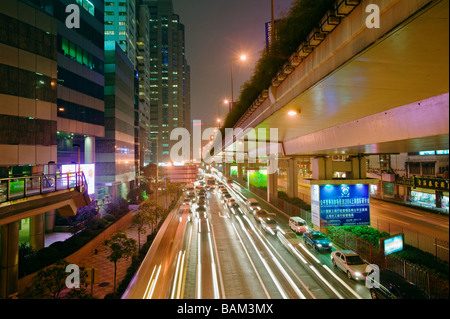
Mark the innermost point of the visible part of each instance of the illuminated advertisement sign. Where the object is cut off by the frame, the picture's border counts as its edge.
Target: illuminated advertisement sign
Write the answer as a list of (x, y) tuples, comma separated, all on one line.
[(393, 244), (89, 173), (340, 205)]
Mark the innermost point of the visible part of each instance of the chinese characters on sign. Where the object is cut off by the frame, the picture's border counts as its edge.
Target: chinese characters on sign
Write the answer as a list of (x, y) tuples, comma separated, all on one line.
[(431, 183), (340, 205)]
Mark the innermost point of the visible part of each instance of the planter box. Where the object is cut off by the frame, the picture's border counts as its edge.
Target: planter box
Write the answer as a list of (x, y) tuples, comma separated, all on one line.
[(122, 224)]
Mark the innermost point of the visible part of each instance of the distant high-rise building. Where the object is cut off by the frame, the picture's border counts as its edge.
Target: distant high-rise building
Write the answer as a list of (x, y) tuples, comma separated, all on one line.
[(121, 25), (169, 78), (142, 125)]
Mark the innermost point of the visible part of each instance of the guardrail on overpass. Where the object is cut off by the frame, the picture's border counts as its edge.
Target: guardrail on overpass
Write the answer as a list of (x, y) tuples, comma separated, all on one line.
[(14, 188)]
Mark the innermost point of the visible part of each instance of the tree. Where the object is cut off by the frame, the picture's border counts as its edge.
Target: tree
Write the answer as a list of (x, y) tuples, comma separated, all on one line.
[(51, 281), (120, 247), (142, 220), (154, 210)]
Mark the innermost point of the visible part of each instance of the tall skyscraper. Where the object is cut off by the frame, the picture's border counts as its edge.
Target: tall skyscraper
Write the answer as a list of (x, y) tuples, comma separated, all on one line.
[(142, 126), (121, 24), (169, 78)]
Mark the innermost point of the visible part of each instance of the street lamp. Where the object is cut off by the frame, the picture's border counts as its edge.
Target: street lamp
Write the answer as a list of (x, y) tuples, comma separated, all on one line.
[(218, 110), (241, 58)]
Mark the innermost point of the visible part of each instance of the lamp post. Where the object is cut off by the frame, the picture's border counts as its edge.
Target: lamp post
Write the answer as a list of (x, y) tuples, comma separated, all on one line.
[(241, 58), (218, 110), (79, 146)]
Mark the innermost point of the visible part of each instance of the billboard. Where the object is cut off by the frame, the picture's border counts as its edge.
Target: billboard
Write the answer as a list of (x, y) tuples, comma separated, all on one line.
[(89, 173), (340, 205), (393, 244)]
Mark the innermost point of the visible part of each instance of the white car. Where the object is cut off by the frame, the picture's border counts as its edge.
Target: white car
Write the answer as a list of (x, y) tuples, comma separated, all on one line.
[(350, 263)]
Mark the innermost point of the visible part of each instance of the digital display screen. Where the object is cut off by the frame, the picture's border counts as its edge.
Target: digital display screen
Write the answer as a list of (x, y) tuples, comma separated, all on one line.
[(393, 244), (340, 205), (89, 173)]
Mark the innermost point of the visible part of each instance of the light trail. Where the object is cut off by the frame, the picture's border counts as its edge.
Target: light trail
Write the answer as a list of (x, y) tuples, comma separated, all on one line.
[(269, 270), (251, 261)]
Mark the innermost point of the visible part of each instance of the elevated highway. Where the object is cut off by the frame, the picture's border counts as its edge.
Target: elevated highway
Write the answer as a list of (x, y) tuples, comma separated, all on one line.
[(361, 90)]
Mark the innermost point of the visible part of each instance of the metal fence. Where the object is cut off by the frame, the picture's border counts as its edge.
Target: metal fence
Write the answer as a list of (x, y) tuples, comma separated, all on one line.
[(434, 286), (435, 246)]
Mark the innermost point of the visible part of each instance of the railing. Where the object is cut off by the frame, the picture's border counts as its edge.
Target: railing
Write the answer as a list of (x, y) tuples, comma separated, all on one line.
[(435, 286), (21, 187)]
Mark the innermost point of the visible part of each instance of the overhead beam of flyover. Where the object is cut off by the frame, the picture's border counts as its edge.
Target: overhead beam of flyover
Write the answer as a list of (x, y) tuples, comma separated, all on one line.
[(367, 90)]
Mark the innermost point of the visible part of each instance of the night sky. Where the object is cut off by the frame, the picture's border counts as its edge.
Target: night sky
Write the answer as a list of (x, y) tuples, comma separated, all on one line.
[(216, 31)]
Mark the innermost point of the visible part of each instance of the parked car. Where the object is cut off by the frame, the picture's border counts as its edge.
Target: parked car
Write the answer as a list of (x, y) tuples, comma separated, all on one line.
[(393, 286), (269, 225), (298, 225), (317, 240), (351, 263)]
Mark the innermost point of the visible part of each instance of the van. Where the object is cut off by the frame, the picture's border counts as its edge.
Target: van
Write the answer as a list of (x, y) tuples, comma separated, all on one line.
[(298, 224), (253, 205)]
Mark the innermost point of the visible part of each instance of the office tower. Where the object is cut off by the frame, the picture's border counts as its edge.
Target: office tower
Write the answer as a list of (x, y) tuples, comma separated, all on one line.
[(115, 170), (142, 127), (169, 77), (28, 98), (120, 25), (81, 81)]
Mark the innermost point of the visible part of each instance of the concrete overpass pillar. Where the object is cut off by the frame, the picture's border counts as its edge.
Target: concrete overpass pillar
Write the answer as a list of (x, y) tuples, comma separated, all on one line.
[(9, 260), (240, 173), (226, 170), (272, 186), (292, 178), (322, 168), (51, 215), (358, 167), (37, 231)]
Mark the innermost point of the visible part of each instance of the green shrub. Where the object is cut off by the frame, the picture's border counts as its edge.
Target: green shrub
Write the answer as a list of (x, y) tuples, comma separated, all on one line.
[(47, 256)]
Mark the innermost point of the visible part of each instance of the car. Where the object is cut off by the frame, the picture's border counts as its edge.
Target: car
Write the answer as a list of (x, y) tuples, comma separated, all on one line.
[(253, 204), (201, 211), (260, 214), (269, 225), (231, 202), (298, 224), (317, 240), (351, 263), (226, 197), (191, 197), (189, 190), (390, 285), (187, 201), (288, 237), (234, 208)]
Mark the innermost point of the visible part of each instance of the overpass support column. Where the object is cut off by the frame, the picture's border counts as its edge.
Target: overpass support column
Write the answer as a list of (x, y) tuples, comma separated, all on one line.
[(226, 170), (272, 186), (292, 178), (37, 231), (9, 260), (322, 168), (240, 173), (359, 168), (50, 215)]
